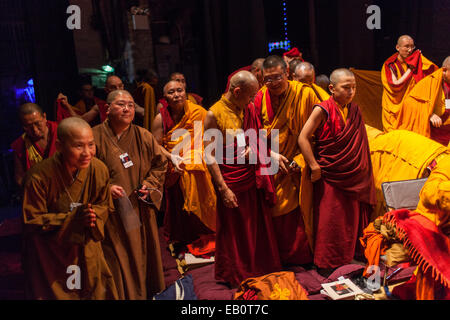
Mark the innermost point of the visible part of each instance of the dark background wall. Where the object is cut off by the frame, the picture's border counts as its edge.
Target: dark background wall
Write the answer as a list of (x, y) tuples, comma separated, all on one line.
[(213, 38)]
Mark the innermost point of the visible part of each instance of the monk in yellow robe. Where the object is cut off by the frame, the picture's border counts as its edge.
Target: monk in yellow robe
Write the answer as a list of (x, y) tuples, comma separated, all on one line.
[(190, 198), (401, 155), (399, 74), (285, 106), (426, 109), (144, 96), (66, 204), (137, 168), (304, 72)]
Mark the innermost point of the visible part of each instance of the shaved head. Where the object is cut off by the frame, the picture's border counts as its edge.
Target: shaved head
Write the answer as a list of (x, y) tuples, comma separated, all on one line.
[(404, 38), (257, 64), (304, 72), (113, 83), (29, 108), (68, 126), (113, 95), (273, 62), (446, 63), (242, 79), (170, 84), (338, 74)]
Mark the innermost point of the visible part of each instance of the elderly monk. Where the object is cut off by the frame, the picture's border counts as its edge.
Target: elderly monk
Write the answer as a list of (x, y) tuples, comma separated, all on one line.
[(37, 143), (144, 95), (323, 81), (190, 198), (399, 74), (283, 107), (192, 97), (291, 66), (245, 241), (89, 107), (65, 206), (401, 155), (255, 68), (137, 168), (304, 72), (341, 170), (426, 109)]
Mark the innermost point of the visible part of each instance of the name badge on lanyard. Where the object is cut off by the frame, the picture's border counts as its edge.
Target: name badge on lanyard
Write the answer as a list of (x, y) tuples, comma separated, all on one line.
[(74, 205), (447, 103), (126, 161)]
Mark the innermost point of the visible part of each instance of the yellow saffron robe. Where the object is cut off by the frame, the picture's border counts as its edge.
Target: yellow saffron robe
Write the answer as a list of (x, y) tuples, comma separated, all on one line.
[(400, 155), (426, 98), (393, 95), (144, 95), (195, 182), (293, 112)]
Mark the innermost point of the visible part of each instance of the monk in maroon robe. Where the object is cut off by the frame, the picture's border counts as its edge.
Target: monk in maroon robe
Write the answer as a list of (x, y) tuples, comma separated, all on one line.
[(246, 244), (341, 170)]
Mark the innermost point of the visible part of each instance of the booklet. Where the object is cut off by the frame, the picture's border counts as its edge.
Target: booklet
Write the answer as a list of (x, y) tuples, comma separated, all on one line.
[(343, 289)]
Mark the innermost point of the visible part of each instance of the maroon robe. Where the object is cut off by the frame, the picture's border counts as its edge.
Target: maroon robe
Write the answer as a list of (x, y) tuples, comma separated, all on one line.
[(246, 244), (344, 195)]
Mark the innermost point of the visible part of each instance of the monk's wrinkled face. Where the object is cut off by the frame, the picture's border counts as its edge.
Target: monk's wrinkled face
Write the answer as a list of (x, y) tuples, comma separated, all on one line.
[(34, 125), (257, 72), (405, 47), (245, 94), (121, 109), (179, 78), (276, 80), (344, 90), (87, 92), (175, 94), (113, 84), (78, 149), (304, 75)]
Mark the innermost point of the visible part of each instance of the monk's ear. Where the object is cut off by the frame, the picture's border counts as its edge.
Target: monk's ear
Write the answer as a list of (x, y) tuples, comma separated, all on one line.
[(397, 47), (44, 115), (331, 88), (108, 108)]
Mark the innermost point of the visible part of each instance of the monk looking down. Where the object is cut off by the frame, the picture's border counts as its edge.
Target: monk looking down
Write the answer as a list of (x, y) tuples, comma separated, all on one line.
[(245, 241), (285, 105), (304, 72), (341, 171), (65, 206)]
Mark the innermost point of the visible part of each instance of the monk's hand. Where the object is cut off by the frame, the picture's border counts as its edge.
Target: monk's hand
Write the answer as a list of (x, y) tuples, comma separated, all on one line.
[(283, 162), (229, 198), (316, 173), (117, 191), (89, 217), (62, 98), (435, 120), (294, 168), (178, 163)]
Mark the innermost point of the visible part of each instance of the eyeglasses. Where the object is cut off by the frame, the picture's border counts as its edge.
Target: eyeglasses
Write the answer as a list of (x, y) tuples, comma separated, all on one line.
[(273, 79), (125, 105)]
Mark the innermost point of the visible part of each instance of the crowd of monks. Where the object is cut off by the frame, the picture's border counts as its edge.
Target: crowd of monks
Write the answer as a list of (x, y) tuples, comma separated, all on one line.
[(95, 180)]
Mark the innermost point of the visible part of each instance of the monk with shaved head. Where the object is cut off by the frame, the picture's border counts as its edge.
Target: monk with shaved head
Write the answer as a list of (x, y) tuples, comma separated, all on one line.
[(37, 143), (190, 198), (255, 68), (399, 74), (426, 109), (304, 72), (341, 172), (137, 168), (65, 206), (245, 241)]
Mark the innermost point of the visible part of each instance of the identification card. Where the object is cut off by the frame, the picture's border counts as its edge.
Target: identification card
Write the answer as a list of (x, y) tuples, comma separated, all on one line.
[(126, 161), (447, 103), (74, 205), (241, 140)]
